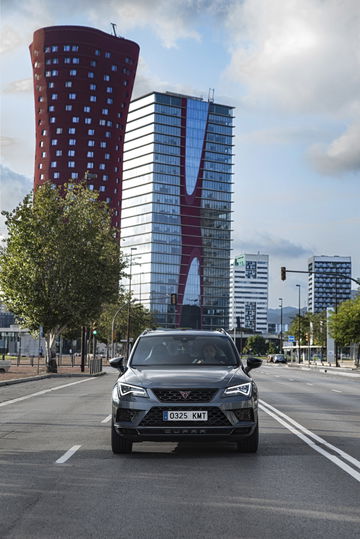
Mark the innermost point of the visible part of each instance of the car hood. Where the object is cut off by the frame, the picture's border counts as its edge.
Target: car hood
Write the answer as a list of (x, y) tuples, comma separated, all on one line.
[(170, 377)]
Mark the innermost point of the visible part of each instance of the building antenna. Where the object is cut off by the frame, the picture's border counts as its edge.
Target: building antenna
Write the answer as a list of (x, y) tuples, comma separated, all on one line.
[(114, 28), (211, 95)]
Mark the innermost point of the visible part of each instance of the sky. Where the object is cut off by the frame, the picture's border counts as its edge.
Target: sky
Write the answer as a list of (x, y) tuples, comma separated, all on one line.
[(290, 68)]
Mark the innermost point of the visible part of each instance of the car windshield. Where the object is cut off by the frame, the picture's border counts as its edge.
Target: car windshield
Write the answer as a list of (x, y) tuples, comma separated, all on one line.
[(176, 350)]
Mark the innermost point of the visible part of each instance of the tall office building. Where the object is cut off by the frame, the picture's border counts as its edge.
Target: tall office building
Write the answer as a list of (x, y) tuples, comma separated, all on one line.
[(331, 284), (176, 208), (249, 279), (83, 79)]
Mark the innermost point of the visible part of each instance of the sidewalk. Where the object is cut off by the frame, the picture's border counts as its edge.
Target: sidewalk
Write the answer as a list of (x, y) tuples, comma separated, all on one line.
[(26, 372), (346, 368)]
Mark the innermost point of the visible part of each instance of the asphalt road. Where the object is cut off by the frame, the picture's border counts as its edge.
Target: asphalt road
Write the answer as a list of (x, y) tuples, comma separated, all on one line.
[(59, 478)]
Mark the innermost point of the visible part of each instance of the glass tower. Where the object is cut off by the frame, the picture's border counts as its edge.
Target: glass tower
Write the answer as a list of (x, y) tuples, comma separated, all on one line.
[(176, 208), (331, 284)]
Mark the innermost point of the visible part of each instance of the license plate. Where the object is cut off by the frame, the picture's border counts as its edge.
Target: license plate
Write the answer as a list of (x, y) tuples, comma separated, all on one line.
[(186, 415)]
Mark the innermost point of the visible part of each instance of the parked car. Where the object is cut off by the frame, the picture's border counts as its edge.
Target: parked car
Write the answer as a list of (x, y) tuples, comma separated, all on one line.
[(279, 358), (184, 385)]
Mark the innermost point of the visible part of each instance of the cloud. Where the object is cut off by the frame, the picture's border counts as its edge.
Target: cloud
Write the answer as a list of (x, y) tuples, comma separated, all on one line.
[(171, 20), (13, 188), (302, 55), (267, 244), (19, 86), (339, 157)]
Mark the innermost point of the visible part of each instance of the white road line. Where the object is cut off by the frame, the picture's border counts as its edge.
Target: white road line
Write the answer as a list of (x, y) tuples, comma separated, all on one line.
[(300, 431), (68, 454), (107, 419), (5, 403), (336, 391), (308, 384)]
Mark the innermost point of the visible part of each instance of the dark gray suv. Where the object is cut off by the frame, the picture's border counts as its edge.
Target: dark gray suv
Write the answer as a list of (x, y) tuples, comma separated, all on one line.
[(184, 385)]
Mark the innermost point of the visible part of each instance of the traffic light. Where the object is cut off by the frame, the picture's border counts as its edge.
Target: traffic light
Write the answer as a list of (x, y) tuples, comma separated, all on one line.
[(173, 299), (94, 329), (283, 273)]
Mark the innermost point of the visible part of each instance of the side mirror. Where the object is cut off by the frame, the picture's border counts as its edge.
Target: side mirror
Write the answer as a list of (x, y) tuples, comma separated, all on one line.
[(118, 363), (252, 363)]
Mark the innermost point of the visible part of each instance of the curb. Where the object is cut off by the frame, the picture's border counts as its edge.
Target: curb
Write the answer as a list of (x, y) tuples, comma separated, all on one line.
[(44, 376)]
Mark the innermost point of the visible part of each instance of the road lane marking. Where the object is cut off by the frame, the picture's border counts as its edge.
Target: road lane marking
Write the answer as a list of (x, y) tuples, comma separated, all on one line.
[(5, 403), (107, 419), (68, 454), (308, 437), (308, 384), (336, 391)]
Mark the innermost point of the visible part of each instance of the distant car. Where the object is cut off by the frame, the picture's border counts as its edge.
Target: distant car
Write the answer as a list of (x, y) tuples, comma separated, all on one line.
[(279, 358), (184, 385)]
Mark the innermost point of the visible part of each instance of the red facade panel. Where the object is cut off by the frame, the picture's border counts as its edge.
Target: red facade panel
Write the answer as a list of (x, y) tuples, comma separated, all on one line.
[(83, 80)]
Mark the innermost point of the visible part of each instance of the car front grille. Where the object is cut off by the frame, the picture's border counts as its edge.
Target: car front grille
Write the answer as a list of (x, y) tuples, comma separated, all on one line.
[(188, 395), (154, 418), (244, 414)]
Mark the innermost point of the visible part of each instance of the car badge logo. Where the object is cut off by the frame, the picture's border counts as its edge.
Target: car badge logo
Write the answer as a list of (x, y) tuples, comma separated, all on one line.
[(185, 394)]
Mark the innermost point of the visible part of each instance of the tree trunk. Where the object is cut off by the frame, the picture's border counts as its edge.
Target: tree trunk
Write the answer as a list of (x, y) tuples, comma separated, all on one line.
[(50, 352)]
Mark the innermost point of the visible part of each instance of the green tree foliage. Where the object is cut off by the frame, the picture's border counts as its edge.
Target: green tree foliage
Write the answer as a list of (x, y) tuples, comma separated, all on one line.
[(345, 324), (117, 313), (61, 261), (256, 344)]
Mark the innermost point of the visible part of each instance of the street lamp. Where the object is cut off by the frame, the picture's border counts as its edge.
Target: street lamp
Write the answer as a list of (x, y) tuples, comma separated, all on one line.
[(281, 323), (112, 331), (129, 305), (299, 323)]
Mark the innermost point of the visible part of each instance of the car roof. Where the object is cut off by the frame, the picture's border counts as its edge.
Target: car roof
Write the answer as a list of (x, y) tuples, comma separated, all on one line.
[(185, 331)]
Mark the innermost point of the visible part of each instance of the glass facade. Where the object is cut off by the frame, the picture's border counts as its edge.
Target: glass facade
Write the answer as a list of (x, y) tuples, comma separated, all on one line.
[(176, 207)]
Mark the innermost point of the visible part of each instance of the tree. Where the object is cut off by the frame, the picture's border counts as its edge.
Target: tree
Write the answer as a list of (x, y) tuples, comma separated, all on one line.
[(256, 344), (345, 324), (117, 313), (61, 261)]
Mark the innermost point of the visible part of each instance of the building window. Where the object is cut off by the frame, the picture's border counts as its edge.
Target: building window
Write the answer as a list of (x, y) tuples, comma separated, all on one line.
[(67, 60), (107, 54), (58, 153), (54, 142), (125, 82), (91, 143), (90, 75), (90, 154), (71, 130), (92, 86), (52, 119), (102, 188), (97, 52), (68, 84), (105, 177), (53, 164), (90, 165), (91, 132), (102, 122), (73, 72), (74, 175), (102, 166), (54, 48), (71, 164), (54, 97), (44, 132), (72, 142), (56, 175), (43, 154), (87, 121), (75, 60), (105, 111), (87, 109), (109, 101), (103, 144), (71, 153), (93, 98), (75, 119), (59, 130), (109, 89), (54, 73), (107, 156), (93, 63), (50, 85), (72, 96), (50, 109), (75, 48), (107, 77), (113, 68), (68, 107), (66, 48)]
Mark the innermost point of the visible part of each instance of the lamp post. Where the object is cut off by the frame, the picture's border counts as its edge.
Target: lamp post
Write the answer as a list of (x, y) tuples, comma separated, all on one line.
[(281, 323), (299, 323), (112, 331), (129, 305)]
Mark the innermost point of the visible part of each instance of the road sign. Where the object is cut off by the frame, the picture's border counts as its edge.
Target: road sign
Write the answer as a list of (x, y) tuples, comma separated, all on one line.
[(291, 338)]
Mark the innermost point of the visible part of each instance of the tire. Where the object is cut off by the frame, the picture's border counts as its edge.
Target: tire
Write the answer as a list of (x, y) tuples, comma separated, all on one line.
[(2, 370), (250, 444), (119, 445)]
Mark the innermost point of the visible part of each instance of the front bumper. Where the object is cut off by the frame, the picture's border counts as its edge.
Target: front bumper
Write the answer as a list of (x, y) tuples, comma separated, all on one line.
[(233, 420)]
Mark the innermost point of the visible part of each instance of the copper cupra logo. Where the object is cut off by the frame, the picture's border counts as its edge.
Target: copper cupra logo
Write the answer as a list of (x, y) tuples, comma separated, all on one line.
[(185, 394)]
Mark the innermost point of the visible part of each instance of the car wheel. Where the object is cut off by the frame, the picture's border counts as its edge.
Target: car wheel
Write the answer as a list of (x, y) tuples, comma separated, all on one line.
[(119, 445), (2, 370), (250, 444)]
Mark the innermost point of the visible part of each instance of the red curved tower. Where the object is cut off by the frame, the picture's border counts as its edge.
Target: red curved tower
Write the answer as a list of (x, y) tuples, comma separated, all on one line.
[(83, 80)]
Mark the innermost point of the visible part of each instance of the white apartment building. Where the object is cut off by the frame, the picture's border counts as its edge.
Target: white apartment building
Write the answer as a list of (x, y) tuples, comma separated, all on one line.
[(249, 285)]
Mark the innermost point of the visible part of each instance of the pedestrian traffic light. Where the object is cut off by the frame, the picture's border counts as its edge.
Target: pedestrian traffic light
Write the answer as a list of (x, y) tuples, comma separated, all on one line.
[(283, 273), (173, 299)]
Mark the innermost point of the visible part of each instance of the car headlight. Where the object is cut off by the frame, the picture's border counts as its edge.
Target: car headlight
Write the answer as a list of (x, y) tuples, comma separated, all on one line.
[(242, 389), (127, 389)]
